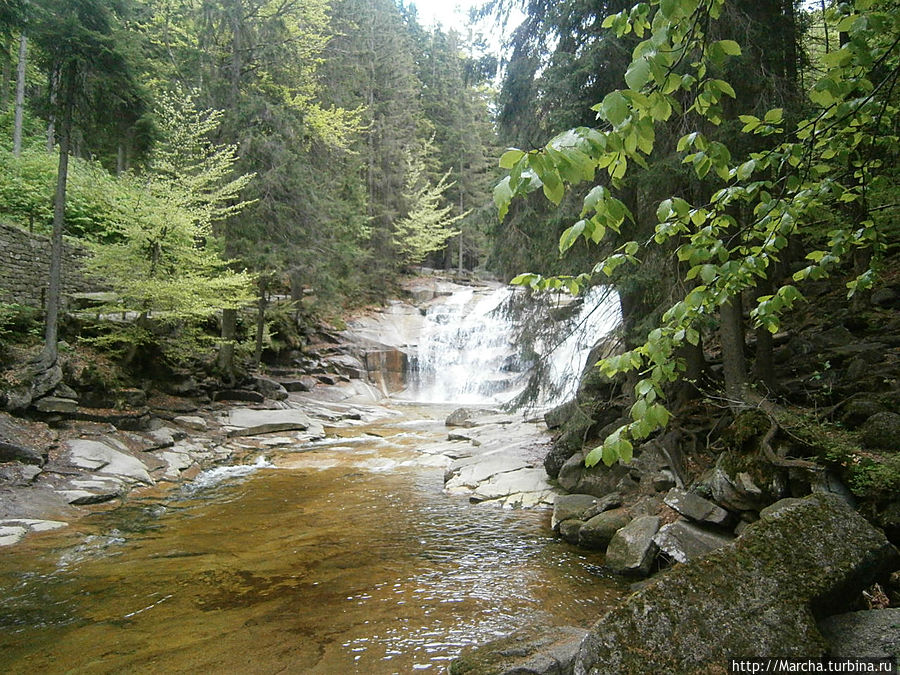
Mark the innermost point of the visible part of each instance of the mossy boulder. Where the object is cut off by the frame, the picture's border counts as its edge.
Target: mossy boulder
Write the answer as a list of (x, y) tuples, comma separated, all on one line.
[(760, 596)]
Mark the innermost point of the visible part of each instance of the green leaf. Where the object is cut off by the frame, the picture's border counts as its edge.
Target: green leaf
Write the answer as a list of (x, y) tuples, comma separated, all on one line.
[(509, 158), (730, 47), (614, 108), (570, 236), (502, 197), (638, 73)]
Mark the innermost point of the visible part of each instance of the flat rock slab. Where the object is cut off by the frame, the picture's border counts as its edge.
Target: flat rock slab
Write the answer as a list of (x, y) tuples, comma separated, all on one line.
[(193, 422), (474, 474), (757, 596), (696, 507), (525, 487), (247, 422), (12, 534), (34, 524), (100, 457)]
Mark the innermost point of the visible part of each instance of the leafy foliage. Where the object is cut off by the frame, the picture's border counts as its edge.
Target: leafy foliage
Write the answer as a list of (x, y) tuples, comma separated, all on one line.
[(815, 182)]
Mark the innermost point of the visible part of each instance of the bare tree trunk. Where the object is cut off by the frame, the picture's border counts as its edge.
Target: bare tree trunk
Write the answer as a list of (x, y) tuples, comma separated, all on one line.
[(764, 360), (226, 349), (5, 74), (20, 96), (262, 302), (51, 125), (731, 333), (51, 323)]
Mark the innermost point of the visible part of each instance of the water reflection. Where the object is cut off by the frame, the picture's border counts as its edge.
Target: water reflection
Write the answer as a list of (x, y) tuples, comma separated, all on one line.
[(346, 558)]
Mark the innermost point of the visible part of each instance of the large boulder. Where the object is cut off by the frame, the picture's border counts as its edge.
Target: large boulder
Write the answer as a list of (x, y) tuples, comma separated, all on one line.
[(882, 431), (528, 651), (760, 596)]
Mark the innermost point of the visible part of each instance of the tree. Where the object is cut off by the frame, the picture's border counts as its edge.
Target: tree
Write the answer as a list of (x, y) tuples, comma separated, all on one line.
[(428, 224), (795, 185)]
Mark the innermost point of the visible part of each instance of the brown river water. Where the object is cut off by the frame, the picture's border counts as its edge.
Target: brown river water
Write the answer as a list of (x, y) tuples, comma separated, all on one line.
[(344, 558)]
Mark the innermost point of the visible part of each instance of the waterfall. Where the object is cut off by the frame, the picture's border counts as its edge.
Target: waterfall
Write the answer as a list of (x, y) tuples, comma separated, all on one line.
[(487, 346)]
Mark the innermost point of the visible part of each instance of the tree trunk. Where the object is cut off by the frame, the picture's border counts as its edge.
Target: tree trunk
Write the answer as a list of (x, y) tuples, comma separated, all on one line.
[(262, 302), (5, 74), (51, 124), (20, 96), (695, 366), (226, 349), (764, 361), (51, 323), (731, 333)]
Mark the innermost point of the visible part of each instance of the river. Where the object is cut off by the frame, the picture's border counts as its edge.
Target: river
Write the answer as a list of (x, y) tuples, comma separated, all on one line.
[(346, 557)]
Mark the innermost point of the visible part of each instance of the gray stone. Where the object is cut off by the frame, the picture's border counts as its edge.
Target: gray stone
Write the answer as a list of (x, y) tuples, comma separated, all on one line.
[(239, 395), (838, 336), (11, 534), (570, 529), (34, 524), (192, 422), (558, 416), (684, 541), (270, 388), (87, 497), (740, 492), (54, 404), (305, 383), (598, 480), (885, 297), (536, 650), (858, 410), (610, 501), (663, 480), (15, 452), (98, 456), (882, 431), (19, 475), (462, 417), (65, 391), (696, 507), (599, 530), (757, 596), (256, 422), (570, 507), (632, 549), (774, 508), (870, 634)]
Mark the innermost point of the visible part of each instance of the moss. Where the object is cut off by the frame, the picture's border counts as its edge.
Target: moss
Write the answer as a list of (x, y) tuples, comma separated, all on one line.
[(875, 477), (746, 426)]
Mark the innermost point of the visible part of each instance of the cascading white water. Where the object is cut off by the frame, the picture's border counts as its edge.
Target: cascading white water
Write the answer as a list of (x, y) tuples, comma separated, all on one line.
[(473, 349)]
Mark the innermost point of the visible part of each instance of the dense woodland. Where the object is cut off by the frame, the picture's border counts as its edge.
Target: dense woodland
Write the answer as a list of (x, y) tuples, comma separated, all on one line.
[(706, 157), (224, 151)]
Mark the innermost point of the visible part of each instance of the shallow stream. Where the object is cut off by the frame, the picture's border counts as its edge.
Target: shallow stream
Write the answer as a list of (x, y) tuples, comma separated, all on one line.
[(344, 558)]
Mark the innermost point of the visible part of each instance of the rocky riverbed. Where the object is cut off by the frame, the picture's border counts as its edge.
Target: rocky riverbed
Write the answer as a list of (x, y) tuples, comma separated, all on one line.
[(56, 472)]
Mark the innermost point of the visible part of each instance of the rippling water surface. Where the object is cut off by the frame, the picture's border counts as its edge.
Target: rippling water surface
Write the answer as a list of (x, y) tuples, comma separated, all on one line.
[(345, 558)]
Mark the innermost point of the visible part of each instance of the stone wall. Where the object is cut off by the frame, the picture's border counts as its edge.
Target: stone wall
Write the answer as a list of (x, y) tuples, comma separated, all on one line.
[(25, 264)]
